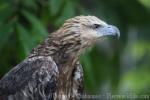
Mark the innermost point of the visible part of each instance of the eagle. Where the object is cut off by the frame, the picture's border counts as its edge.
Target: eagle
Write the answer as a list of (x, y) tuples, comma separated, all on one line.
[(52, 70)]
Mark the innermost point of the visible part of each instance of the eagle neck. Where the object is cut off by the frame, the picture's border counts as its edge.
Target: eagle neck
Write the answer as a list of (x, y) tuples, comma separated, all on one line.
[(60, 48)]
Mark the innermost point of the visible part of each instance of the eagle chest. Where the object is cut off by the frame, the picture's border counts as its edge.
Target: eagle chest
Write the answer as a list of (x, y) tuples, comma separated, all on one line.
[(69, 80)]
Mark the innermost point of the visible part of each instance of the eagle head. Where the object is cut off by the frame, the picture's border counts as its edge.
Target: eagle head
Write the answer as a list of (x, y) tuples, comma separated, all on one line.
[(77, 34), (90, 29)]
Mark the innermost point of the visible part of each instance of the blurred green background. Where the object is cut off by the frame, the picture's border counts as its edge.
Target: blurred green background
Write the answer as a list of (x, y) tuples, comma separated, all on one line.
[(111, 66)]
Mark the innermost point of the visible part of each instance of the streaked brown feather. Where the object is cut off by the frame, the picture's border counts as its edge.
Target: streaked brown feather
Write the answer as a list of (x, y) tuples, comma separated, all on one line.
[(59, 75)]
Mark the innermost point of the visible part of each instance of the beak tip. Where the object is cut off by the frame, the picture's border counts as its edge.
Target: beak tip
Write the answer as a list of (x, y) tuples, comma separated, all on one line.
[(118, 33), (115, 31)]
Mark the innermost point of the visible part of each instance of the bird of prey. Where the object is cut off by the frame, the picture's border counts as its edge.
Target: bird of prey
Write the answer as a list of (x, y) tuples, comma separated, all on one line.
[(52, 70)]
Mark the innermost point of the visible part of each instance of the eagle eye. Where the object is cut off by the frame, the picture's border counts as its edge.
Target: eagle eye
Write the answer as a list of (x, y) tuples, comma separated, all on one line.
[(96, 26)]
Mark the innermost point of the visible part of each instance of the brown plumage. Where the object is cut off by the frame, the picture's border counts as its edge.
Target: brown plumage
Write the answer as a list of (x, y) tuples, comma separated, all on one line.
[(52, 71)]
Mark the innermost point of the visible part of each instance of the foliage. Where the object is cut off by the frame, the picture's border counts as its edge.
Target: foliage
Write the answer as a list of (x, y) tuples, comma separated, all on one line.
[(116, 66)]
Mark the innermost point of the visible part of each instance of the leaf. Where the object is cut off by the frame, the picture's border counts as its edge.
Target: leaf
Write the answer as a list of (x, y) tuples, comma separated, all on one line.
[(37, 26), (5, 32), (5, 12), (69, 11), (3, 6), (25, 40), (29, 4), (135, 80), (146, 3), (54, 6)]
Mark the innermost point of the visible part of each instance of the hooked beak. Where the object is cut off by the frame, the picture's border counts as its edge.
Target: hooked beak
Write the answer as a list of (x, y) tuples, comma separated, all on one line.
[(108, 30)]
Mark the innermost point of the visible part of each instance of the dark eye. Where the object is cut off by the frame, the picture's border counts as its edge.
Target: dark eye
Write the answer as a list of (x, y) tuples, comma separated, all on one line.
[(95, 26)]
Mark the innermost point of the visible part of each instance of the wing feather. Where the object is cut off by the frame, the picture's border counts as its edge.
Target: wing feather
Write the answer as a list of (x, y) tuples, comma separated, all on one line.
[(32, 70)]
